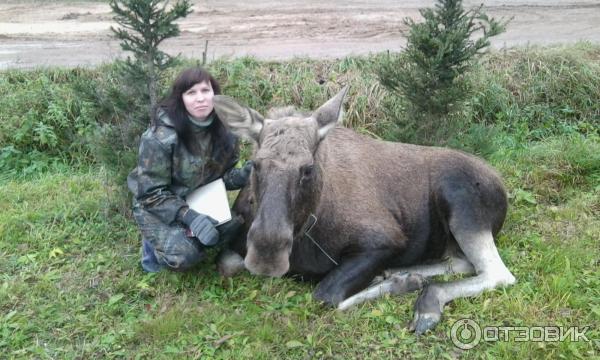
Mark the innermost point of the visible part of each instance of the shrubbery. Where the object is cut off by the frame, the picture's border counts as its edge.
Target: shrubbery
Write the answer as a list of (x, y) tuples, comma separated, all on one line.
[(44, 119), (431, 75), (539, 92), (521, 95)]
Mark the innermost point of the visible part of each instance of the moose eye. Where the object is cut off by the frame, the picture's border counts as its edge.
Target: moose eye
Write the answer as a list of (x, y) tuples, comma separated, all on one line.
[(307, 171), (256, 166)]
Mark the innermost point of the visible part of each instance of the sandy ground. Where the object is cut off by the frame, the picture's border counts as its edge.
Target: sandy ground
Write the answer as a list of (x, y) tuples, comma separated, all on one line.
[(69, 33)]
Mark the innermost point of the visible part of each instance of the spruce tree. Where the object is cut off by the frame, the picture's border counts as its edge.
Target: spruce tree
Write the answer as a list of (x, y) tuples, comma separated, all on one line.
[(128, 94), (144, 24), (440, 50)]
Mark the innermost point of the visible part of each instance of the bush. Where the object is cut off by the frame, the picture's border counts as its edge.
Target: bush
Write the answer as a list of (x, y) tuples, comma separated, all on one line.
[(430, 74), (539, 92), (55, 116), (477, 139), (121, 117), (44, 119)]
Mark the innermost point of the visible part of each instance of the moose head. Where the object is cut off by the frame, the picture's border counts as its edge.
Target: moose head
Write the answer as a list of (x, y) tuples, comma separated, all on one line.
[(286, 179)]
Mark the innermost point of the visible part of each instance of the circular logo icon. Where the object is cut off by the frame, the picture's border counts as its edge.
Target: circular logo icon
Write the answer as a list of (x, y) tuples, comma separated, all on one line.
[(465, 334)]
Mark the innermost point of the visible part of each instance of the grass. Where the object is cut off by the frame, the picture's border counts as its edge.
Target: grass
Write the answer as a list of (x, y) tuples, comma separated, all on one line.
[(544, 91), (71, 285)]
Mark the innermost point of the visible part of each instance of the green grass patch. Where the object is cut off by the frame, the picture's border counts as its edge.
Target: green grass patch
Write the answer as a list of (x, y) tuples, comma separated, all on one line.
[(71, 285), (539, 91)]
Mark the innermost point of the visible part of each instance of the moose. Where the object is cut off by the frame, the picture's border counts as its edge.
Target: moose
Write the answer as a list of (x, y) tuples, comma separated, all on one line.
[(341, 208)]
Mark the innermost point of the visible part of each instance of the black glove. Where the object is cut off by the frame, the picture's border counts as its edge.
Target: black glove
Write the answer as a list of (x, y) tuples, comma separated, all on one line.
[(202, 227), (238, 178)]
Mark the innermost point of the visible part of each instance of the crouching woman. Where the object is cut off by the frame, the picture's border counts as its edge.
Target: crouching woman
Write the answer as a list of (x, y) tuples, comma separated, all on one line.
[(186, 147)]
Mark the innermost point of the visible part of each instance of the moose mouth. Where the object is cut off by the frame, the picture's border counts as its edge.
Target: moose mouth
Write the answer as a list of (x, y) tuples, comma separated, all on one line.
[(275, 264)]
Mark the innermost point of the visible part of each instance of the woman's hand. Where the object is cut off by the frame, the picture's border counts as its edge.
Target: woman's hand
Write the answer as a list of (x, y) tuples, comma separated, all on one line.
[(238, 178), (202, 227)]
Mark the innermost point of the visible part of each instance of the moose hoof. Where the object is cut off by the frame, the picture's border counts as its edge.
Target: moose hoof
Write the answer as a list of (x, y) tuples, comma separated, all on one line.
[(328, 300), (423, 322), (428, 310), (327, 296), (403, 283), (229, 263)]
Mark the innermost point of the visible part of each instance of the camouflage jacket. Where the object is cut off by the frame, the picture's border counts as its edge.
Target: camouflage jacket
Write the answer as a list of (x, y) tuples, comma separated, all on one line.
[(167, 171)]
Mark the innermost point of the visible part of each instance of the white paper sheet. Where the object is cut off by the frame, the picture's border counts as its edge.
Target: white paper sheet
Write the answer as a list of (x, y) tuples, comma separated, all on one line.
[(211, 199)]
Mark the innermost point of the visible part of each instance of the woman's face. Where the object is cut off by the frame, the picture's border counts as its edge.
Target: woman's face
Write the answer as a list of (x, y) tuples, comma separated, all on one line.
[(198, 100)]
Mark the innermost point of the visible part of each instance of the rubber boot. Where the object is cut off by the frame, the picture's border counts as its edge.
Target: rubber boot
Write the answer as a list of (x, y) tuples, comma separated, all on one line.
[(149, 261)]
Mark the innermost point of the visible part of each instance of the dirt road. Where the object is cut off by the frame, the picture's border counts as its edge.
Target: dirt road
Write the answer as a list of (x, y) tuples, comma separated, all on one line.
[(67, 33)]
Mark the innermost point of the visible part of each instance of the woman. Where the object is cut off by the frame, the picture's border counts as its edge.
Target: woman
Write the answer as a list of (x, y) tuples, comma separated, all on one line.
[(186, 147)]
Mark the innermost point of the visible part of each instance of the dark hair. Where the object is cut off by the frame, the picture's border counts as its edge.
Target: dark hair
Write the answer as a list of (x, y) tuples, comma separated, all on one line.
[(223, 142)]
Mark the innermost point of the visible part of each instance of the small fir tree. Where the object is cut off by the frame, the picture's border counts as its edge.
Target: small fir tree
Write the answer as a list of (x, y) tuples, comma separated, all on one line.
[(439, 52), (130, 91), (144, 24)]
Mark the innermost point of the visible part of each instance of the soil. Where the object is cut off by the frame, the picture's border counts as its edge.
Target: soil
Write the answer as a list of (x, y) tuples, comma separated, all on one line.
[(69, 33)]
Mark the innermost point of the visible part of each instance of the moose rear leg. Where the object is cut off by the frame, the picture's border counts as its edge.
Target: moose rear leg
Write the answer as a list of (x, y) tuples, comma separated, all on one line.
[(350, 276), (396, 284), (480, 250), (454, 262), (403, 280)]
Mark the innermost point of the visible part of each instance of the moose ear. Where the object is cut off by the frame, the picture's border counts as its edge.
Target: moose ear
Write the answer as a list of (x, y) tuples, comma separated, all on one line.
[(330, 113), (242, 121)]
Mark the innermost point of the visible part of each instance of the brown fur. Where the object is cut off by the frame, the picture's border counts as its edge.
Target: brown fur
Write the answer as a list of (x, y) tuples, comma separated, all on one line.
[(378, 204)]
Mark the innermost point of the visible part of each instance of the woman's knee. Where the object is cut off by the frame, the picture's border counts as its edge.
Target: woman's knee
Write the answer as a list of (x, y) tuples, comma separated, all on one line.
[(181, 262), (170, 244), (180, 254)]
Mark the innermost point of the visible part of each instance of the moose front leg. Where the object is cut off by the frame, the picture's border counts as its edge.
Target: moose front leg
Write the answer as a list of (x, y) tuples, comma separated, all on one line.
[(350, 276)]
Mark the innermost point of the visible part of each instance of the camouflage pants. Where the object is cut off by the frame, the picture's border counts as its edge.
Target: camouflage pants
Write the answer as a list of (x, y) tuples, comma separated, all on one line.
[(172, 247)]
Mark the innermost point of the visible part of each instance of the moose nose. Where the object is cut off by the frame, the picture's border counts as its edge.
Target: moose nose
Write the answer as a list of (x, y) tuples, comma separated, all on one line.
[(269, 248), (269, 263)]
